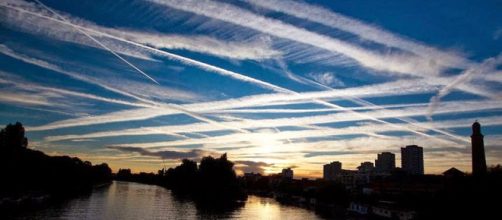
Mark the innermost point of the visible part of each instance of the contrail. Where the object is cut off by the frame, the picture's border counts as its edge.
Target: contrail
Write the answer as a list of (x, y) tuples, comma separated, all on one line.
[(99, 43), (365, 31), (80, 29), (362, 102), (489, 64), (169, 55), (232, 74), (396, 62), (289, 33), (368, 104)]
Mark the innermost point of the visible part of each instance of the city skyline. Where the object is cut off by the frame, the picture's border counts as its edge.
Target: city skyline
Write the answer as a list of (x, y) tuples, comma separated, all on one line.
[(274, 84)]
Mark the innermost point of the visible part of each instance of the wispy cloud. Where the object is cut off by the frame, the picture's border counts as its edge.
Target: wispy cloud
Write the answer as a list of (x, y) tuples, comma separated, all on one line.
[(168, 155), (391, 62), (247, 166), (26, 18), (257, 49), (327, 78), (246, 78), (362, 30), (45, 93), (101, 44), (394, 88), (291, 121), (336, 86), (96, 81), (487, 66)]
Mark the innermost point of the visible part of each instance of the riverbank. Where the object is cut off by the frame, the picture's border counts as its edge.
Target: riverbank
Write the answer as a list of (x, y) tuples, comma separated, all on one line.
[(31, 178), (33, 200)]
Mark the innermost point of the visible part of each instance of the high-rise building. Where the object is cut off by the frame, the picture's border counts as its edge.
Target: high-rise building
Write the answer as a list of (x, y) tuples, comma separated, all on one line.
[(412, 159), (478, 150), (331, 170), (287, 173), (366, 167), (385, 162)]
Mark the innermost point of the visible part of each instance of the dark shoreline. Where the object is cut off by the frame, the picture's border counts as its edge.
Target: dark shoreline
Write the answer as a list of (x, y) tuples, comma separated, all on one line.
[(38, 200)]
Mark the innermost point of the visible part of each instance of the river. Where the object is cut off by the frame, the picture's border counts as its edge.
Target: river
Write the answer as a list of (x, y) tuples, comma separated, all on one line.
[(127, 200)]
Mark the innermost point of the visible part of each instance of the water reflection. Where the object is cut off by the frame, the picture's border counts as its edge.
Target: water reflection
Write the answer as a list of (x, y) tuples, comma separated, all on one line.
[(124, 200)]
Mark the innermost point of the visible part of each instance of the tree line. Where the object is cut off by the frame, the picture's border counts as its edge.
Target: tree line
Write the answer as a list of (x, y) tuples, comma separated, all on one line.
[(214, 179), (24, 170)]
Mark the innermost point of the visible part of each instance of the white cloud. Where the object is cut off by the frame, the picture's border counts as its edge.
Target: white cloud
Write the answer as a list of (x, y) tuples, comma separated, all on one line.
[(390, 62), (235, 75), (22, 19), (257, 49), (327, 78), (365, 31), (136, 90), (402, 63), (446, 108), (109, 85), (399, 87), (489, 65)]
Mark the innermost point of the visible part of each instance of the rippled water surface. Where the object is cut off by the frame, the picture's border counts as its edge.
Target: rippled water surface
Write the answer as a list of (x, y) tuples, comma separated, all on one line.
[(124, 200)]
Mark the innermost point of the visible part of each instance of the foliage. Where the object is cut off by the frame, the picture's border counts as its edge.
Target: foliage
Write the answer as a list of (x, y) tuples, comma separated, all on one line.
[(25, 170)]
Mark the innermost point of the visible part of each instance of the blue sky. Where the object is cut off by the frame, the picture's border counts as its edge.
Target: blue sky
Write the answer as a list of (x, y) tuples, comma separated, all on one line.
[(275, 84)]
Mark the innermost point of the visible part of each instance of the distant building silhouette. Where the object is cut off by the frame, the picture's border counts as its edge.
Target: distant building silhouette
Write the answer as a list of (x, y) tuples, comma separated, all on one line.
[(331, 170), (478, 150), (412, 159), (385, 162), (453, 172), (366, 167), (349, 178), (287, 173)]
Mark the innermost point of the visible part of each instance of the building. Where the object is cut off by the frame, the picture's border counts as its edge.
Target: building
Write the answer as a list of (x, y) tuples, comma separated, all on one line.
[(331, 170), (478, 150), (385, 162), (359, 208), (366, 167), (287, 173), (386, 210), (453, 173), (412, 159)]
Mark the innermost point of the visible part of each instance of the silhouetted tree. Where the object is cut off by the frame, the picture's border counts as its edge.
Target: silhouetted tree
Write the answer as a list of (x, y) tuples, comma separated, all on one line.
[(124, 174), (217, 179), (12, 136), (183, 177), (24, 170)]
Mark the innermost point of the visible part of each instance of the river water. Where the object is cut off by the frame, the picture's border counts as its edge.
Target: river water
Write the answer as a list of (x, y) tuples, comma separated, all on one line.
[(126, 200)]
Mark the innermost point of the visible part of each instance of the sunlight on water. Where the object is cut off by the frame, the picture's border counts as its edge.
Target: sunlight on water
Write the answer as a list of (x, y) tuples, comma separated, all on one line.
[(123, 200)]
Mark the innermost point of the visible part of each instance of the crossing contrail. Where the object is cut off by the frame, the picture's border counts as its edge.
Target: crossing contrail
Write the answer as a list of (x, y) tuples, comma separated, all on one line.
[(237, 76), (99, 43)]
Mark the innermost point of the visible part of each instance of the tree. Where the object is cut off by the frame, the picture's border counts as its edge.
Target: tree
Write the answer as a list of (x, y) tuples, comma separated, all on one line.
[(495, 169), (183, 177), (25, 170), (12, 136), (217, 179)]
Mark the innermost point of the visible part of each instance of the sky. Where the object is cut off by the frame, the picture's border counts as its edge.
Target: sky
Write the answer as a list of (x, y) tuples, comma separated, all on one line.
[(141, 84)]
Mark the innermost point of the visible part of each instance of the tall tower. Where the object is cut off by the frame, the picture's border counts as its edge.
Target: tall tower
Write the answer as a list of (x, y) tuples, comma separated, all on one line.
[(412, 159), (331, 170), (385, 162), (478, 150)]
